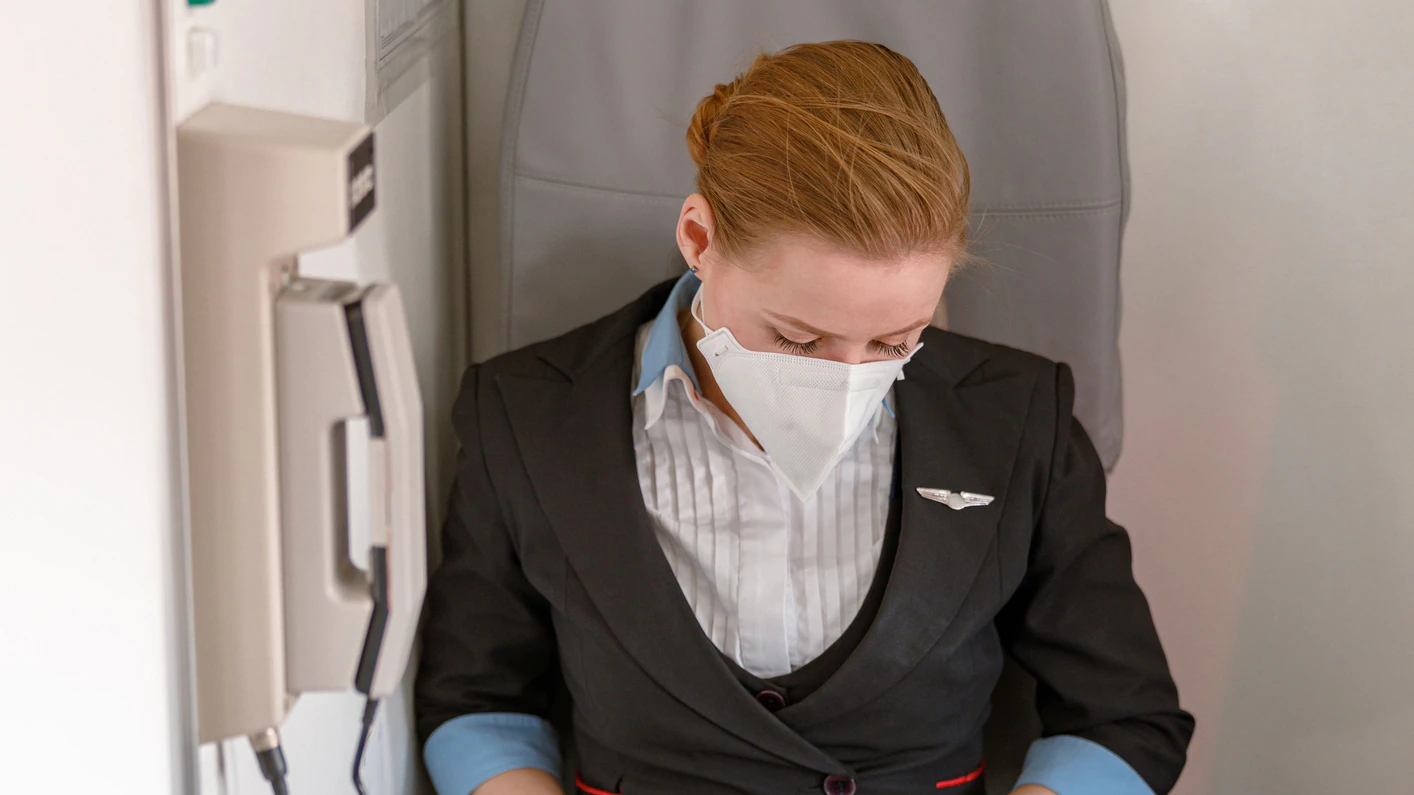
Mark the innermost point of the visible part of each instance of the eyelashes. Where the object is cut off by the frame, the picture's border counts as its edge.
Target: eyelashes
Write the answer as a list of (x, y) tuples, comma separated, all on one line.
[(806, 348), (798, 348), (895, 351)]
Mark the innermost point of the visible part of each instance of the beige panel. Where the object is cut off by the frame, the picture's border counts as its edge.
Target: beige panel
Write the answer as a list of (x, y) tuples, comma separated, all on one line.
[(255, 187)]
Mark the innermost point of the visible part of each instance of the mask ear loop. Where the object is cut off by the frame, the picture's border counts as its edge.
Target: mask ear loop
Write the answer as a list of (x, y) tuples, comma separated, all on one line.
[(695, 309)]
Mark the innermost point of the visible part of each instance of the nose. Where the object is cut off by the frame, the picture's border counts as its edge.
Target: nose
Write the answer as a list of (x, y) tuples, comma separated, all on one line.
[(852, 354)]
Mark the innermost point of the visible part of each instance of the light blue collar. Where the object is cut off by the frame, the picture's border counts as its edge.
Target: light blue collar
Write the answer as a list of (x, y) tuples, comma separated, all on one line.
[(665, 346)]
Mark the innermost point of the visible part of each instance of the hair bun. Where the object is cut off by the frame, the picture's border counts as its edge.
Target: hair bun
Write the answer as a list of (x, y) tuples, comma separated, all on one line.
[(705, 118)]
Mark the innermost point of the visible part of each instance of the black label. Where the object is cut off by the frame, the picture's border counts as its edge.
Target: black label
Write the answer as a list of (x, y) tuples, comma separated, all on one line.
[(361, 182)]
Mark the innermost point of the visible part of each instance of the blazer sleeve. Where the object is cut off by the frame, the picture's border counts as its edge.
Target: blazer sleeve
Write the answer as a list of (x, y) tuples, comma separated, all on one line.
[(488, 645), (1081, 626)]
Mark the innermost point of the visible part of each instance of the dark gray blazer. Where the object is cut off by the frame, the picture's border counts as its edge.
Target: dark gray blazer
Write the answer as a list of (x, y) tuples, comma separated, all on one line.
[(555, 599)]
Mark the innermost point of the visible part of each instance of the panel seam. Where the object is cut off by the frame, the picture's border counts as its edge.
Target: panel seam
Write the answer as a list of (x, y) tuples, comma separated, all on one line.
[(510, 132)]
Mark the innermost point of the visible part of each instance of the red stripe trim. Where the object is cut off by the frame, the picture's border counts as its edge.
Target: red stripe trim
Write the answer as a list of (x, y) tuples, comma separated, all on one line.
[(579, 782), (952, 782), (973, 776)]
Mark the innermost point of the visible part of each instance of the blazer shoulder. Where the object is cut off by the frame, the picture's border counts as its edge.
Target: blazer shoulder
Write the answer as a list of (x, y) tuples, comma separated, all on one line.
[(479, 407), (565, 356), (963, 355)]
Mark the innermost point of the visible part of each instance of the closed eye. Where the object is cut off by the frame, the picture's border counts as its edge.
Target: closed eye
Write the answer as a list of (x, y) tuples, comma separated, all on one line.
[(798, 348), (895, 351)]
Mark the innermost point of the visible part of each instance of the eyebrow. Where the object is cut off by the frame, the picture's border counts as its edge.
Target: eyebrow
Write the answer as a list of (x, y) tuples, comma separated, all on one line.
[(806, 327)]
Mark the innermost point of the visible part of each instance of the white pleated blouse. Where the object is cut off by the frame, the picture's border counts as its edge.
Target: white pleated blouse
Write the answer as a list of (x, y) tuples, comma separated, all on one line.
[(772, 579)]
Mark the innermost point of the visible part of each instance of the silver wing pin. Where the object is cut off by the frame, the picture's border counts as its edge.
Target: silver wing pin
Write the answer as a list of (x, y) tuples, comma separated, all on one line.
[(956, 500)]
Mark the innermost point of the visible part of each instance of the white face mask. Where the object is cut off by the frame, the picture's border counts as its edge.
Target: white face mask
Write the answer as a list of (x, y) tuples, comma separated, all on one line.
[(805, 412)]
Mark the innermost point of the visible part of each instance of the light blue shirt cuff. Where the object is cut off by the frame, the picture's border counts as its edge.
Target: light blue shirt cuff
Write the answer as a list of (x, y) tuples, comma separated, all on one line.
[(463, 752), (1068, 765)]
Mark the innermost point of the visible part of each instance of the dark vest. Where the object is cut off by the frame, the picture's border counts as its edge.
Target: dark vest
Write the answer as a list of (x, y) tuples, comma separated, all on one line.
[(777, 692)]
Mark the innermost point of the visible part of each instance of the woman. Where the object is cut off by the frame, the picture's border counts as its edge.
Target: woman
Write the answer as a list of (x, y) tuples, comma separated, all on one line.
[(763, 530)]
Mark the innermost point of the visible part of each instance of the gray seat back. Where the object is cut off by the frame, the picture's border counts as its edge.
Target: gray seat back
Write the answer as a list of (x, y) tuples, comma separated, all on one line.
[(594, 164), (594, 169)]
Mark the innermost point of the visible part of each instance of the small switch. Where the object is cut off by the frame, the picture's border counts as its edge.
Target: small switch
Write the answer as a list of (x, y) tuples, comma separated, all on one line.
[(202, 55)]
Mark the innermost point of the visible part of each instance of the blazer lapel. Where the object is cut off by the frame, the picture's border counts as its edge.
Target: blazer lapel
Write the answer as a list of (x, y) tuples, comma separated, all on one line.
[(959, 428), (575, 437)]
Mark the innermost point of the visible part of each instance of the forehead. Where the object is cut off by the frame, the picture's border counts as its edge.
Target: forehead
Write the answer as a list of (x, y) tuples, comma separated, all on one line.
[(842, 292)]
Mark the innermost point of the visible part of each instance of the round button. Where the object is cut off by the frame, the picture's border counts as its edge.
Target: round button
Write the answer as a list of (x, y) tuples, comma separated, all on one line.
[(838, 785), (771, 700)]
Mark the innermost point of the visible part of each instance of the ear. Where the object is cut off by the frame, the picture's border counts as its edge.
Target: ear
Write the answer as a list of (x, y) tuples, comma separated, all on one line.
[(696, 226)]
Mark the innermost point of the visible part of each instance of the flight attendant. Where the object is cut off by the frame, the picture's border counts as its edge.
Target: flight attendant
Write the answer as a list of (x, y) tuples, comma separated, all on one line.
[(764, 530)]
